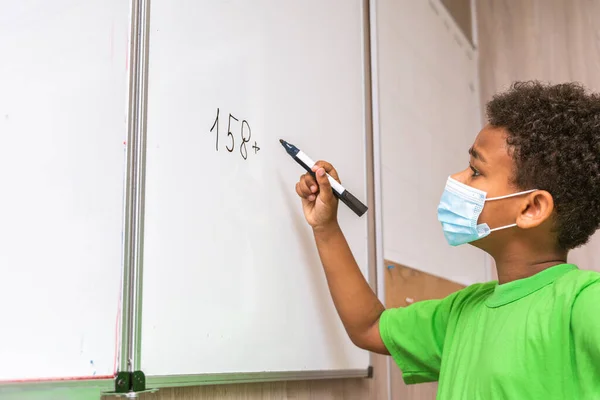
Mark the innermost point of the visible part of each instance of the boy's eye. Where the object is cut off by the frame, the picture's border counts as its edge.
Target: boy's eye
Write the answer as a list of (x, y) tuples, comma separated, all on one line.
[(475, 172)]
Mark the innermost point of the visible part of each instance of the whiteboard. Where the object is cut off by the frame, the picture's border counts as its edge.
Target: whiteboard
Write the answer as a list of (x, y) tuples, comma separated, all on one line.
[(428, 117), (232, 281), (63, 87)]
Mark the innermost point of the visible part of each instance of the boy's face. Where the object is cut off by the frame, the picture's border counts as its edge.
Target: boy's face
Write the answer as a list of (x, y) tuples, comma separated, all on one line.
[(491, 169)]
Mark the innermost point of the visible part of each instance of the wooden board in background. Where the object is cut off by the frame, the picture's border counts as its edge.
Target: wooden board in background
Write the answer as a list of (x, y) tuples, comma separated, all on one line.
[(404, 286), (402, 283)]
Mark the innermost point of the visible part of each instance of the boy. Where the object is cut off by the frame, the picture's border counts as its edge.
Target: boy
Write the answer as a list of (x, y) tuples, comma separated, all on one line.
[(530, 194)]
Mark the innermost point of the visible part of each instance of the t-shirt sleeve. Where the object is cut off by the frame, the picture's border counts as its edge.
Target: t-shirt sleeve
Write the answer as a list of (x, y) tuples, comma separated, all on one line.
[(585, 325), (414, 336)]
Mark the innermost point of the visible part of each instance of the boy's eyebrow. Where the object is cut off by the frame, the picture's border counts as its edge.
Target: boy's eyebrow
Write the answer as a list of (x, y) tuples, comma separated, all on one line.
[(475, 154)]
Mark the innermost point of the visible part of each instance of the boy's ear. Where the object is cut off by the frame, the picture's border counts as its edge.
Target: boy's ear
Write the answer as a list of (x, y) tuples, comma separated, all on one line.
[(536, 208)]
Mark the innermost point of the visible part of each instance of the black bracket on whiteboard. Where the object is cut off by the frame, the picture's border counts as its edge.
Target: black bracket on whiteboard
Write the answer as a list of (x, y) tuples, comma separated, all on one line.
[(122, 382), (130, 383)]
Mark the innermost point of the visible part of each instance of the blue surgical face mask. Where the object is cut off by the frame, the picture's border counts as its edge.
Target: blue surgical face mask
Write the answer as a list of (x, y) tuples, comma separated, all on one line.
[(459, 211)]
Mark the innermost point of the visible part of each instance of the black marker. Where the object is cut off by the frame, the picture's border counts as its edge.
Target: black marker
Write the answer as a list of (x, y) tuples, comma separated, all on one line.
[(338, 190)]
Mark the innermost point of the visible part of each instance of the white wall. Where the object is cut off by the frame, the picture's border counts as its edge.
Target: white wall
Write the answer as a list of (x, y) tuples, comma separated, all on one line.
[(588, 256), (427, 92)]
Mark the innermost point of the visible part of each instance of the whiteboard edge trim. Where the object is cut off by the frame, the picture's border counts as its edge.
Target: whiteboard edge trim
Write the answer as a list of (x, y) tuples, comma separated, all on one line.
[(163, 381), (34, 386)]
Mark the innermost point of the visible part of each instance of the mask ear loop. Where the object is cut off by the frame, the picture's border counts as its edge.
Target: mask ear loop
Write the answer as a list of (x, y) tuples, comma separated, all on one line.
[(502, 227), (510, 195), (506, 197)]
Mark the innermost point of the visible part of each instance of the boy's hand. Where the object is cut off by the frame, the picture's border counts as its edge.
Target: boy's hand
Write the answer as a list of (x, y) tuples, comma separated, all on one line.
[(318, 201)]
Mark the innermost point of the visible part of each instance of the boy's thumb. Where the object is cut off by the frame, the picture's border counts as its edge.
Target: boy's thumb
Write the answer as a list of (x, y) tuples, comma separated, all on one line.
[(325, 191)]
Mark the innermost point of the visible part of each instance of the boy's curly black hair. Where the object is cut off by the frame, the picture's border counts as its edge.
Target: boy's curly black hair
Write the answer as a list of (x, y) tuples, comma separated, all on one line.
[(554, 134)]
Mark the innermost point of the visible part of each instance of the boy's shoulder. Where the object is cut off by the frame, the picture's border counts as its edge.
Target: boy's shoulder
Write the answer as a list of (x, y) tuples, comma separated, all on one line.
[(474, 293), (577, 288), (578, 280), (582, 287), (479, 288), (574, 279)]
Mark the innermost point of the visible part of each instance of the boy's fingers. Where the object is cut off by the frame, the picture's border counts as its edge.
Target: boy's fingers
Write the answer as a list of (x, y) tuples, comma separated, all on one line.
[(311, 183), (307, 186), (298, 191), (325, 192), (302, 192), (328, 168)]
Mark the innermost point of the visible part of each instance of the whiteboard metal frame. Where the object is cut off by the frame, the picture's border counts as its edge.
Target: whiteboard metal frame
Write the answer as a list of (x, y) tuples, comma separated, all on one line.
[(377, 175), (130, 348), (253, 377), (132, 314), (372, 150)]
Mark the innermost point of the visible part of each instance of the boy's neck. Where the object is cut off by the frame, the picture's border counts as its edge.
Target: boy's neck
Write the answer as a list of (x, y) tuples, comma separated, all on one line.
[(513, 266)]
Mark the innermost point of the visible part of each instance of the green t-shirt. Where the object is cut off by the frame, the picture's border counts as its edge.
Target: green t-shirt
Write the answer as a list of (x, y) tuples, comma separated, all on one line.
[(534, 338)]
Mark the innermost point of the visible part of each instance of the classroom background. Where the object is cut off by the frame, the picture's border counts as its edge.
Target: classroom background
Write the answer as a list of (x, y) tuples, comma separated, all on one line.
[(152, 241)]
